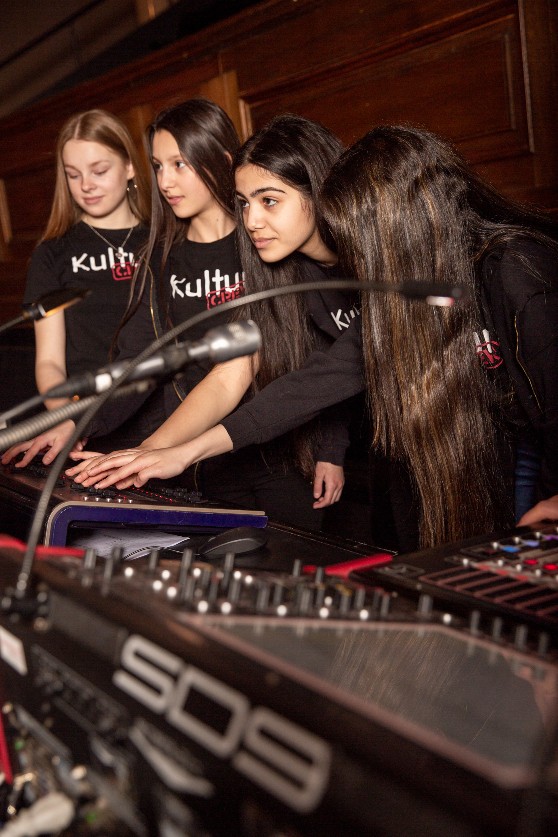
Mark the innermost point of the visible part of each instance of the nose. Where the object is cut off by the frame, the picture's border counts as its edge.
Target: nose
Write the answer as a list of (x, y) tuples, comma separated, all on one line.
[(165, 177), (87, 183), (253, 217)]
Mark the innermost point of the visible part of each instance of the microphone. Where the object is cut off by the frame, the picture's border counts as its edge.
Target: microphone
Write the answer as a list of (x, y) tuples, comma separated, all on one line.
[(48, 304), (218, 344)]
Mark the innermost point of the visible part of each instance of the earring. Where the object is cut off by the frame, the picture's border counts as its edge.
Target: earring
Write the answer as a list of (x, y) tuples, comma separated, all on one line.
[(133, 184)]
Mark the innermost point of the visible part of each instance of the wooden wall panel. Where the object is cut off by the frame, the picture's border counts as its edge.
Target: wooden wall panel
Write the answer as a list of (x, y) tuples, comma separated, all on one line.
[(481, 72), (467, 87)]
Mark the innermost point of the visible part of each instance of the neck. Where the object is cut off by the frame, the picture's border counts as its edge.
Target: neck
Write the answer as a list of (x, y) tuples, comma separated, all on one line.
[(211, 227), (321, 254), (118, 220)]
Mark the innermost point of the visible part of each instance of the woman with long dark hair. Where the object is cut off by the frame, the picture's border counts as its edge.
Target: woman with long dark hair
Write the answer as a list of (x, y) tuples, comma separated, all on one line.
[(457, 395)]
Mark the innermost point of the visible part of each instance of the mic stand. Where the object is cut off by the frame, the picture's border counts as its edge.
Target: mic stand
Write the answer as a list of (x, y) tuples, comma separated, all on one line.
[(38, 424), (435, 295)]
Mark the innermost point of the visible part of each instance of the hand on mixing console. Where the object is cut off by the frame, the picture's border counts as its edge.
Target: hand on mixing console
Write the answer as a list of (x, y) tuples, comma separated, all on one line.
[(328, 484), (89, 459), (49, 443), (134, 467), (545, 510), (127, 468)]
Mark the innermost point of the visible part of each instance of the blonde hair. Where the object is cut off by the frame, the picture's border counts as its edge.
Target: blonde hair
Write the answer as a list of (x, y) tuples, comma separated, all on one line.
[(108, 130)]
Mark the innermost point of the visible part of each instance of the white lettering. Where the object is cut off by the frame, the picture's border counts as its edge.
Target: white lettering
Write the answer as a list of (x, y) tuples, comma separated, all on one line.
[(77, 264), (222, 744), (274, 753), (299, 781), (136, 656)]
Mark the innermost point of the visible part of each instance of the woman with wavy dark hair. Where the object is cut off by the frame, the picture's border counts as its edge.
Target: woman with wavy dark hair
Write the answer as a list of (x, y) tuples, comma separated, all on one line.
[(463, 400)]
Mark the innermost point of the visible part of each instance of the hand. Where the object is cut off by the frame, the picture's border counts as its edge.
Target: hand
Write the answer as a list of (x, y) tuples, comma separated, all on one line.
[(133, 467), (545, 510), (328, 484), (50, 442), (99, 463)]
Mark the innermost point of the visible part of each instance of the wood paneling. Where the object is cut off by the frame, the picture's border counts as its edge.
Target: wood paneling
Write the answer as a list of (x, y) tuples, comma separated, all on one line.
[(481, 72)]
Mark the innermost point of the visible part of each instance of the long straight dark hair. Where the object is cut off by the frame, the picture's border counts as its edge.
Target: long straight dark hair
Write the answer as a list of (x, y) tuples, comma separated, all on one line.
[(207, 140), (300, 152), (402, 204)]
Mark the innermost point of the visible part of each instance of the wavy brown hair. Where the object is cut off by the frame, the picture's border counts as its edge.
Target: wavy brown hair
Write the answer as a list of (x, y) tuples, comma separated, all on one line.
[(106, 129), (300, 152), (403, 205)]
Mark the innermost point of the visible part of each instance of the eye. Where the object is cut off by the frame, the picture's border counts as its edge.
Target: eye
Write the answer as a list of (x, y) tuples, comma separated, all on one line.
[(180, 164), (269, 201), (100, 173), (71, 176), (156, 167), (242, 202)]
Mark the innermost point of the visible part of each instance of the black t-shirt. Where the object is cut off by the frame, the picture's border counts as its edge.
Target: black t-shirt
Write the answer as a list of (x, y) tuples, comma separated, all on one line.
[(81, 259), (197, 277)]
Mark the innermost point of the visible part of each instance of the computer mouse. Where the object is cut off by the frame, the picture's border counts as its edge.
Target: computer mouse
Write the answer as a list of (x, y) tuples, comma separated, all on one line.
[(239, 540)]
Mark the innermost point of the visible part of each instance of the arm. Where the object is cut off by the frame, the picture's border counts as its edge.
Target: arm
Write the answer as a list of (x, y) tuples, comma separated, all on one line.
[(50, 370), (213, 398), (50, 356), (135, 468), (328, 377)]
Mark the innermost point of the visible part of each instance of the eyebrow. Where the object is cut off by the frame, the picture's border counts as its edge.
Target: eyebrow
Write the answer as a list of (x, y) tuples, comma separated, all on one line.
[(155, 159), (257, 192), (96, 163)]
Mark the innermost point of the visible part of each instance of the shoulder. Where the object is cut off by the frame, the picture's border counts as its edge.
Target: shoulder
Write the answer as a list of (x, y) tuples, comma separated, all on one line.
[(521, 269), (224, 252)]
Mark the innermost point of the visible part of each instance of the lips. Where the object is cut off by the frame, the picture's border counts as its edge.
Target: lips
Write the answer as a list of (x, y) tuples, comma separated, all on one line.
[(259, 243), (173, 199)]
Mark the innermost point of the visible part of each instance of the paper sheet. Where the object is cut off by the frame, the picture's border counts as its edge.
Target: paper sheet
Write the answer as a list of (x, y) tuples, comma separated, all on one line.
[(136, 542)]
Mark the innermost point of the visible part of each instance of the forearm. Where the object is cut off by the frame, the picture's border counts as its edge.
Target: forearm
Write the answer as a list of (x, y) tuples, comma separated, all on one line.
[(48, 375), (204, 407), (211, 443)]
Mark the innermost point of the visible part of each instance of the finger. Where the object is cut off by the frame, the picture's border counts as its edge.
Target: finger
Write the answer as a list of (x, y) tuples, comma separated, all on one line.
[(82, 454), (111, 463), (11, 453), (116, 475), (52, 453), (32, 452)]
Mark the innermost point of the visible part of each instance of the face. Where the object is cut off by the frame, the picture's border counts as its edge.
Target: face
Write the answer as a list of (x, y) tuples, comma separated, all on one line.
[(97, 178), (276, 216), (181, 187)]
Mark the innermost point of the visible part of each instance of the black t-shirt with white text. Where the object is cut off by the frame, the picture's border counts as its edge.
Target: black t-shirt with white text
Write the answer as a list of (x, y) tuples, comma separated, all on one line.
[(81, 259)]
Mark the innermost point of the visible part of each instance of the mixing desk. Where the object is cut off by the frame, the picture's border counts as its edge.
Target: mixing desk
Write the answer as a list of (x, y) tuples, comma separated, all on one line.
[(74, 507), (283, 691)]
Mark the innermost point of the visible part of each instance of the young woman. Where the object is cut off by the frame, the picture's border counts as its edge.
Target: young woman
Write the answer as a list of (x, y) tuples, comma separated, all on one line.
[(95, 230), (282, 242), (455, 392)]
